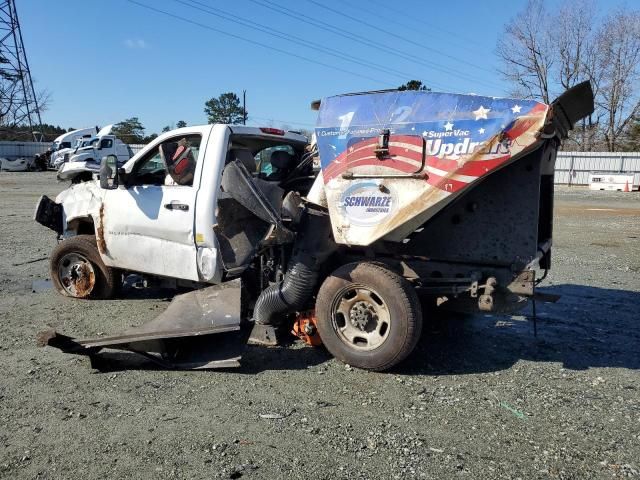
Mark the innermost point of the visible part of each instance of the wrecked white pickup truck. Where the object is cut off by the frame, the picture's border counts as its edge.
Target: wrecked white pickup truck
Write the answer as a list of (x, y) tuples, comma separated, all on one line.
[(447, 196)]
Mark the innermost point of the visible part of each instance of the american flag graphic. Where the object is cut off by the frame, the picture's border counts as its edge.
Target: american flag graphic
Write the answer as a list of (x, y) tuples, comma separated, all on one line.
[(462, 137), (457, 152)]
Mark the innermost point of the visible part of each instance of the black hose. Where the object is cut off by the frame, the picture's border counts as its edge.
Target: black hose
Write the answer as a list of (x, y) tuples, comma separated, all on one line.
[(289, 295), (313, 246)]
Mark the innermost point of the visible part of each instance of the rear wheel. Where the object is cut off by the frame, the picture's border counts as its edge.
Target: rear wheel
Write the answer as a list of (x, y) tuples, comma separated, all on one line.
[(78, 271), (368, 316)]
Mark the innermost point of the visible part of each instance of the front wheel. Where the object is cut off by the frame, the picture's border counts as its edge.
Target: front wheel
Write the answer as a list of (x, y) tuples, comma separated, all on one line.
[(368, 316), (78, 271)]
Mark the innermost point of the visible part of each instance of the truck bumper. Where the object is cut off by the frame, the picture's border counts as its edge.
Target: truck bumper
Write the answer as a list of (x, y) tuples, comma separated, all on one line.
[(49, 214)]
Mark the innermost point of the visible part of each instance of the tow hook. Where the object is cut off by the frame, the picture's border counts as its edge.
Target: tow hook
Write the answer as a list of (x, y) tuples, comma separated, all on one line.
[(485, 301)]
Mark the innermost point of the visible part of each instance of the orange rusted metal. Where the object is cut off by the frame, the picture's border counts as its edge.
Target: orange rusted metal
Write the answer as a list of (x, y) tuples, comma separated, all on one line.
[(306, 329), (102, 244), (85, 281)]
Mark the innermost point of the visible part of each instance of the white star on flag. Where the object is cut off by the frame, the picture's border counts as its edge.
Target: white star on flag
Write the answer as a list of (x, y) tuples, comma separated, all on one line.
[(448, 126), (516, 108), (481, 112), (481, 131), (351, 149)]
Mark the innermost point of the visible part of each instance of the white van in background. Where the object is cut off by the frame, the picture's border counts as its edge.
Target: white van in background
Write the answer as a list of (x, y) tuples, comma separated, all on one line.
[(621, 182)]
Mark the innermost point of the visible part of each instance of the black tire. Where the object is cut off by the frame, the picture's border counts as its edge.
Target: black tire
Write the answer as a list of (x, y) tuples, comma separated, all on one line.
[(105, 281), (391, 297)]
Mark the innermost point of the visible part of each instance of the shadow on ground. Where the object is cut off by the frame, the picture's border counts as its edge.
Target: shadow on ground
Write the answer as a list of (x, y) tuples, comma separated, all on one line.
[(587, 327)]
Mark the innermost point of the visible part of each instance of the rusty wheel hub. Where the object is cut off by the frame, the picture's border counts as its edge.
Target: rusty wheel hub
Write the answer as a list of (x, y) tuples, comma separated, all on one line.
[(76, 275)]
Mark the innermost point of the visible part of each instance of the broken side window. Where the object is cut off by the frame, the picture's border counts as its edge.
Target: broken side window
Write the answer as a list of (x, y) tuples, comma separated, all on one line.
[(172, 162)]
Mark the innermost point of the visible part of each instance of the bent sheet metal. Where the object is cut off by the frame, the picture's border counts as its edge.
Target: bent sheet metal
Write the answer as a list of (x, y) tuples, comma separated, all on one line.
[(201, 313)]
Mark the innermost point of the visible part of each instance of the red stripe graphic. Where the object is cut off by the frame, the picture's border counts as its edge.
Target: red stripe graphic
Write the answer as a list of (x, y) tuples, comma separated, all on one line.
[(407, 158)]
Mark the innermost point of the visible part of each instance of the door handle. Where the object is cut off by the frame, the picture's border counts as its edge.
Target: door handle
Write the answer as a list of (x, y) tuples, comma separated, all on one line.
[(177, 206)]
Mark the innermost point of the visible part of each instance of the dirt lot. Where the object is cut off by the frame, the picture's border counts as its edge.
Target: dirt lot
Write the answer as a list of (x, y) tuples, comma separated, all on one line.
[(481, 398)]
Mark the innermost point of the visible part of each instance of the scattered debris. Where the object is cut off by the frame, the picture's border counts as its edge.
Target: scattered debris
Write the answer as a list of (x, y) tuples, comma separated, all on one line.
[(513, 410), (276, 416), (272, 416)]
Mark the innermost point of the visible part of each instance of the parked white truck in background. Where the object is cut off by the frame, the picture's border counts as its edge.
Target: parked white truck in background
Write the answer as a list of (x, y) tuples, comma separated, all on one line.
[(67, 142), (81, 163)]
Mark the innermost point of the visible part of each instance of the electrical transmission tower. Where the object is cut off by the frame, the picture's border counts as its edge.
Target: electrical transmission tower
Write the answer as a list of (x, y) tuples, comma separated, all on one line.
[(18, 100)]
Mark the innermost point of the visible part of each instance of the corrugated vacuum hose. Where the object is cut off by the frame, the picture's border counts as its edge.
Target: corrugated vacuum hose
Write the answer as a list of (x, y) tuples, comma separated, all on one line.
[(314, 245)]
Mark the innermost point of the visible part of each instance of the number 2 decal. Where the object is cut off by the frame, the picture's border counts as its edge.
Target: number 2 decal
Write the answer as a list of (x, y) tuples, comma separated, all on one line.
[(345, 121), (402, 113)]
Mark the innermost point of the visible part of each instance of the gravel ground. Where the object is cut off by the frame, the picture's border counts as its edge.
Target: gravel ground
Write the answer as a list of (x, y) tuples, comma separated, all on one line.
[(480, 398)]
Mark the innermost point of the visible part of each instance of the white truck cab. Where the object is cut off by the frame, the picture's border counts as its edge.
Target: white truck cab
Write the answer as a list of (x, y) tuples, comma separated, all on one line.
[(161, 222)]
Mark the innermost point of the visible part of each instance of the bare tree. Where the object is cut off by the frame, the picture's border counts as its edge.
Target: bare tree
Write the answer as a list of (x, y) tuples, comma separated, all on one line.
[(574, 58), (571, 36), (618, 43), (548, 52), (526, 51)]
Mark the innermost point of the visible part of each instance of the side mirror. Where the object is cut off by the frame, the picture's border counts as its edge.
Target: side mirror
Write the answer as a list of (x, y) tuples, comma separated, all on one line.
[(109, 172)]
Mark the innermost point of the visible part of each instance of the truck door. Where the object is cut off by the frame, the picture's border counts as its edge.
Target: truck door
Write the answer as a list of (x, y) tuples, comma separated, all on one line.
[(148, 226)]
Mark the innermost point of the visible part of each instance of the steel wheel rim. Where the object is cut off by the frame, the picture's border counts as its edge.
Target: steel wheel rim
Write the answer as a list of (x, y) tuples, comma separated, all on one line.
[(360, 317), (76, 274)]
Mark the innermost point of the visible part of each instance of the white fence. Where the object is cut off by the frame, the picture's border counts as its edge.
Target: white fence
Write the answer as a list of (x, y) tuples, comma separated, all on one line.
[(573, 168), (136, 147), (14, 150), (22, 149)]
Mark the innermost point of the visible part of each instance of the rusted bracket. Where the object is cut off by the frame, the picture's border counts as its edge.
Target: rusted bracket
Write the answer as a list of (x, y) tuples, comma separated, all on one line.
[(523, 284), (485, 301), (382, 149)]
